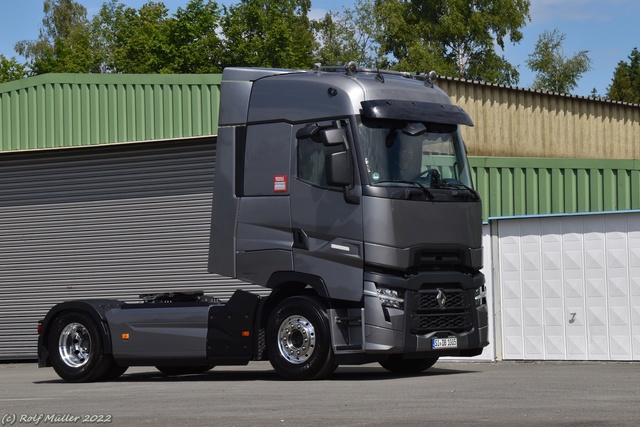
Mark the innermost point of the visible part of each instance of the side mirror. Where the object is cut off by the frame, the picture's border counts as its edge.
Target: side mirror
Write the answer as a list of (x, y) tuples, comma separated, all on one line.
[(308, 131), (333, 136), (338, 169)]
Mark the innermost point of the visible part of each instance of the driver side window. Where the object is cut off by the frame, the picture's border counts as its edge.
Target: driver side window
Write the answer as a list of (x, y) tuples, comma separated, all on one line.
[(311, 162)]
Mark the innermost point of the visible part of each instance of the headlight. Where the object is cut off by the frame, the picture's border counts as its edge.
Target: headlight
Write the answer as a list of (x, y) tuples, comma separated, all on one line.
[(391, 297), (481, 294)]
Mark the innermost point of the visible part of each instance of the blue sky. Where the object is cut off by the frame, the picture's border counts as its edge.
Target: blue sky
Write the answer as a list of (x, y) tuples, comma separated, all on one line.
[(608, 29)]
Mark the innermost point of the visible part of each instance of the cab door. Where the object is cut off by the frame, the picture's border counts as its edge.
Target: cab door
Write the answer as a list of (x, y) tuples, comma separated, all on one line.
[(326, 215)]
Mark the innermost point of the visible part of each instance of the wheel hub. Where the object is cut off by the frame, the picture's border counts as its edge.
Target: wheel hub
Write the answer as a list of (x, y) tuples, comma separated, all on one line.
[(296, 339), (74, 345)]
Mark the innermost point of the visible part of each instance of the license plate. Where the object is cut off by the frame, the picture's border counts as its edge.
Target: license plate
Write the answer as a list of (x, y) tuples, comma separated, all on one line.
[(444, 343)]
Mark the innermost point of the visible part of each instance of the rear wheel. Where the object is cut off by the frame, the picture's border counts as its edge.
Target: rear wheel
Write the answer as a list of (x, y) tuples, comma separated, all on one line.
[(408, 366), (298, 339), (183, 370), (77, 351)]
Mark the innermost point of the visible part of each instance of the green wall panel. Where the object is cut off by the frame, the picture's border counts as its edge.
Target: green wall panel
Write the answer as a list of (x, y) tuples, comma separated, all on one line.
[(70, 110), (539, 186)]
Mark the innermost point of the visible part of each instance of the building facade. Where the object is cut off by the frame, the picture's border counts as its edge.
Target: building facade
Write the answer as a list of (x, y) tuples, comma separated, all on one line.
[(107, 192)]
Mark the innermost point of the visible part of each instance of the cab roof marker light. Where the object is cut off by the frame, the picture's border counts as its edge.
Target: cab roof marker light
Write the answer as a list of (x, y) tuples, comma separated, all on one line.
[(351, 68)]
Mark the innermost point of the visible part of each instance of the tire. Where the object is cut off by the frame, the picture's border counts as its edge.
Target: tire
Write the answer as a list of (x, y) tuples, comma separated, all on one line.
[(299, 339), (76, 350), (183, 370), (398, 365), (114, 373)]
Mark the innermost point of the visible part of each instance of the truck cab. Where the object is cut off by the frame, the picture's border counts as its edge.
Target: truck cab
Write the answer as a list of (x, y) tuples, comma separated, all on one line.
[(353, 189)]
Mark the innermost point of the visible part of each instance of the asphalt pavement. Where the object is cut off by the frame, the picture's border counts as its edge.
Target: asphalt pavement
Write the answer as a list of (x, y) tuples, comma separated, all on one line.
[(451, 393)]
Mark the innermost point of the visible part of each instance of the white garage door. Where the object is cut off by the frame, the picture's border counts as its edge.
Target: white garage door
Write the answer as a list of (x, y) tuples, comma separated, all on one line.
[(570, 287)]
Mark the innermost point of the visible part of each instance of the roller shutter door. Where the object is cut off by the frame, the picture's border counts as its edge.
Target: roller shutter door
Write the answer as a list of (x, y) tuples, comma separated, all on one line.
[(570, 287), (110, 222)]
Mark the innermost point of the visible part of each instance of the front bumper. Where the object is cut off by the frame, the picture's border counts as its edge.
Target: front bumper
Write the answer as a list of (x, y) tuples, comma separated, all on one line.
[(436, 305)]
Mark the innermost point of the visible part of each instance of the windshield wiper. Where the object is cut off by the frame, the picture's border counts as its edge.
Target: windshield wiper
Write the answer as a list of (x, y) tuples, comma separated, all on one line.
[(428, 194), (457, 184)]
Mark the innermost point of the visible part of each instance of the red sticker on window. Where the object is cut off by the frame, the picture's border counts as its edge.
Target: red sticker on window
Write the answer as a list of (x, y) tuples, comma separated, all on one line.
[(280, 184)]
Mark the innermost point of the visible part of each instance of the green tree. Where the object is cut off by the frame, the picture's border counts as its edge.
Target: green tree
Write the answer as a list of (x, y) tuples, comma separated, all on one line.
[(64, 44), (350, 35), (11, 69), (148, 40), (131, 40), (273, 33), (196, 47), (454, 37), (625, 85), (555, 71)]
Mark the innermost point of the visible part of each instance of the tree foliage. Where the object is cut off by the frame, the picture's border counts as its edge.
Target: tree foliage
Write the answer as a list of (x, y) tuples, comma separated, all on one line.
[(455, 37), (193, 35), (625, 85), (350, 35), (64, 44), (133, 41), (555, 71), (274, 33), (11, 69), (148, 40)]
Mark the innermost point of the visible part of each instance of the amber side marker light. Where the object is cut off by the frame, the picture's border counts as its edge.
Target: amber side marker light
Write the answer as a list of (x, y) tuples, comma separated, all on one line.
[(245, 333), (125, 336)]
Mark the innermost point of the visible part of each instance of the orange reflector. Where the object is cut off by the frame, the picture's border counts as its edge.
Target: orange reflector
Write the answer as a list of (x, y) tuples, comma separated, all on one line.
[(125, 336), (245, 333)]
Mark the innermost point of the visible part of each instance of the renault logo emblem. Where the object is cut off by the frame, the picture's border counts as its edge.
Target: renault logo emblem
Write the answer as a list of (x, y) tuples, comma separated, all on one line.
[(441, 298)]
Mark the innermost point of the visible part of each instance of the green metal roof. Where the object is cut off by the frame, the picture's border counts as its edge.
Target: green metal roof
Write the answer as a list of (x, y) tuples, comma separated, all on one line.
[(70, 110)]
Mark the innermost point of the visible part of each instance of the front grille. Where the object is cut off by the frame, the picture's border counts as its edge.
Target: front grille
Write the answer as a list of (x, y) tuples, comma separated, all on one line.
[(424, 324), (441, 309), (454, 299)]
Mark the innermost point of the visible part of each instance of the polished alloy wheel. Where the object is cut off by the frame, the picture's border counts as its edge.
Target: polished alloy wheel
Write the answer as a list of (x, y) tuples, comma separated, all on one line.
[(296, 339), (74, 345)]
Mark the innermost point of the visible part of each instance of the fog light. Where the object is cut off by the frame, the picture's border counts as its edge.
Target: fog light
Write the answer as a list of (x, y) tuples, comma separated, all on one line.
[(391, 297)]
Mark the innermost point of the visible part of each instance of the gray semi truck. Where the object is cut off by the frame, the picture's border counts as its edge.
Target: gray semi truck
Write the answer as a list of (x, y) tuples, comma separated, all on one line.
[(347, 193)]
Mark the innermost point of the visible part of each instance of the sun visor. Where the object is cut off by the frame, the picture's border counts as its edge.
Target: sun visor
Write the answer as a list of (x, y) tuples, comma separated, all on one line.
[(415, 111)]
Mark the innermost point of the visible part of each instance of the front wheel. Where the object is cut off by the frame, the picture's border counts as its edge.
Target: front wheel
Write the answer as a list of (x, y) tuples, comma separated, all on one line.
[(298, 339), (408, 366), (77, 351)]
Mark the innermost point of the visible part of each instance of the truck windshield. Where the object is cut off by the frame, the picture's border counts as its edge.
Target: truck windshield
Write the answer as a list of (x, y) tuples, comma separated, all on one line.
[(398, 153)]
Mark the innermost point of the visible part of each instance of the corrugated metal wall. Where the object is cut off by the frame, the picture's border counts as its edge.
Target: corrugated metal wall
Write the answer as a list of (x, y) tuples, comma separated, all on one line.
[(68, 110), (515, 122), (102, 222), (61, 110), (534, 186)]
